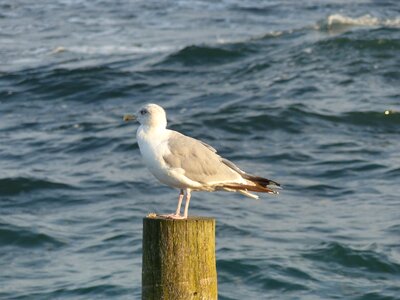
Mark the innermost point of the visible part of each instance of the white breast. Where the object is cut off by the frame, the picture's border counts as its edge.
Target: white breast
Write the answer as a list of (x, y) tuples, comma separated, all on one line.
[(153, 146), (150, 144)]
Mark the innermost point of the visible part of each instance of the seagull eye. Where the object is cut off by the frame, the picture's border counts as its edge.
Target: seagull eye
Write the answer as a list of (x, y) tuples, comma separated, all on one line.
[(143, 112)]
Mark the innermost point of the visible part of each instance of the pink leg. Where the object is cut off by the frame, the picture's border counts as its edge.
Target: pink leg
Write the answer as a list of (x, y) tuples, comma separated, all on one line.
[(188, 195), (177, 214), (178, 208)]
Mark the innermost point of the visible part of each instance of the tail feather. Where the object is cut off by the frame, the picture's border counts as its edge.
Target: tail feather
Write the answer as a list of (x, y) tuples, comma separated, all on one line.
[(249, 188), (244, 192), (255, 183), (261, 181)]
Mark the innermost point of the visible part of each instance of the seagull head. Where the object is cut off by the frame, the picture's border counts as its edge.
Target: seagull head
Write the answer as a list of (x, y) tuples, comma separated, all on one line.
[(150, 115)]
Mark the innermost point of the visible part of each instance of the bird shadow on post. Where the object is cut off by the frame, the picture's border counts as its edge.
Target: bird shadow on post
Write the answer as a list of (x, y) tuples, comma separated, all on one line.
[(179, 259)]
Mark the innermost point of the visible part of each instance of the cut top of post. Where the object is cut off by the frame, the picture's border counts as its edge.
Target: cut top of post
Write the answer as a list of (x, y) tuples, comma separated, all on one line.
[(189, 219)]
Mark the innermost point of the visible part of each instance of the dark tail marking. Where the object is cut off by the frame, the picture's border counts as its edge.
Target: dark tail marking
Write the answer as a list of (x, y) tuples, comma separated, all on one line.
[(262, 184)]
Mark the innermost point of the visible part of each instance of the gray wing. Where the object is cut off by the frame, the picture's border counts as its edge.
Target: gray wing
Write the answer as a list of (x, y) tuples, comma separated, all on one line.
[(200, 161)]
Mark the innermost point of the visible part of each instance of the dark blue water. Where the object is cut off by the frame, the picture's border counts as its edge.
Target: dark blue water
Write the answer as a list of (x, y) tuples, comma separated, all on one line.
[(295, 91)]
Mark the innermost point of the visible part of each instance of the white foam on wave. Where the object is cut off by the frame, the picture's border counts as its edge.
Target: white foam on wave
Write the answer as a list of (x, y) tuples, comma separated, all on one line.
[(337, 20), (231, 40), (112, 49)]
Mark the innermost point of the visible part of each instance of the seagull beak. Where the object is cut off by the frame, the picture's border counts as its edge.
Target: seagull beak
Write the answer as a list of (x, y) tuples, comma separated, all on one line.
[(129, 118)]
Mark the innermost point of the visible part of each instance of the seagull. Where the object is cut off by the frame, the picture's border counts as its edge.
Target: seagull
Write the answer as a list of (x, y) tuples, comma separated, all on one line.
[(189, 164)]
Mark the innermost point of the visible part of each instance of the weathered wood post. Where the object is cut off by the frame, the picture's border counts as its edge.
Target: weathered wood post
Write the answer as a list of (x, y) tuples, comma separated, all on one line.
[(179, 259)]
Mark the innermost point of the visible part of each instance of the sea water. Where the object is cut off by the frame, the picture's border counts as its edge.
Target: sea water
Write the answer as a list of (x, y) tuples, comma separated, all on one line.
[(295, 91)]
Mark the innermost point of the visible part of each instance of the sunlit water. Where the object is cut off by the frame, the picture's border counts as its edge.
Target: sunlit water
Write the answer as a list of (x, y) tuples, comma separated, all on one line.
[(291, 90)]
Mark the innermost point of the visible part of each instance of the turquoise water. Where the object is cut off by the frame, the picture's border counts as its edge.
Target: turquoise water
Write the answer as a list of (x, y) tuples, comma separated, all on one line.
[(294, 91)]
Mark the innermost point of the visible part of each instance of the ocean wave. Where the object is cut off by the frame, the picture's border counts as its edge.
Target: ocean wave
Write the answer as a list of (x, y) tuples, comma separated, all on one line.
[(113, 49), (205, 54), (87, 83), (17, 185), (342, 168), (335, 23), (338, 22), (11, 235), (394, 229), (382, 46), (279, 277), (366, 20), (346, 256), (370, 119), (231, 119), (393, 173), (81, 83), (92, 143), (105, 291), (377, 295)]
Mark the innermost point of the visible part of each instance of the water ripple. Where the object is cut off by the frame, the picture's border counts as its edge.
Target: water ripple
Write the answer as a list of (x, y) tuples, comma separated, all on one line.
[(11, 235), (14, 186), (349, 257)]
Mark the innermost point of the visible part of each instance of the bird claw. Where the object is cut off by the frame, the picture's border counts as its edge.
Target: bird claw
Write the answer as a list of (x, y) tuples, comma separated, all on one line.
[(173, 216)]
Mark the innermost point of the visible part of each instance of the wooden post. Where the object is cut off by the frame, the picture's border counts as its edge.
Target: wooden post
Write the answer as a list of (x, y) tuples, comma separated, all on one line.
[(179, 259)]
